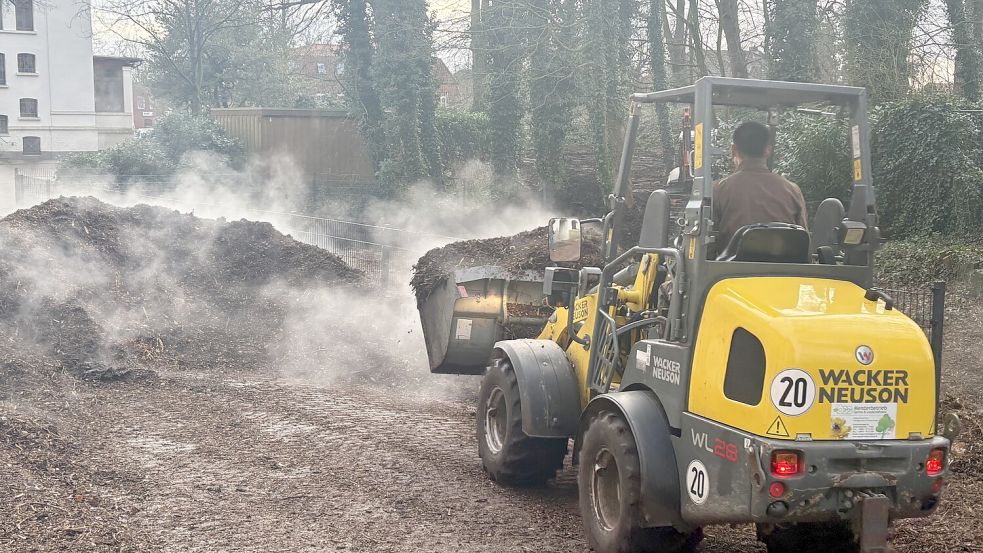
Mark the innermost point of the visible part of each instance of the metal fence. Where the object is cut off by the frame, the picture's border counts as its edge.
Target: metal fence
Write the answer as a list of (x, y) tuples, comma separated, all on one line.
[(32, 187), (927, 308), (355, 244)]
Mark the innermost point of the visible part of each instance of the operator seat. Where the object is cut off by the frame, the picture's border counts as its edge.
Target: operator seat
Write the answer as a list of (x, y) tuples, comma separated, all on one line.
[(768, 243), (826, 231)]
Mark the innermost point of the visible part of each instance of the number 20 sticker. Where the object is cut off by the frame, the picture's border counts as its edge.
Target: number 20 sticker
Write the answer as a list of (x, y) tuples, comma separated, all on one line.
[(793, 392), (697, 482)]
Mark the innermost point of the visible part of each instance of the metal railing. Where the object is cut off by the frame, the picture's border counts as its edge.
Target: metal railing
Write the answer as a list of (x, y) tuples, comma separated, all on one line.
[(927, 308), (32, 188)]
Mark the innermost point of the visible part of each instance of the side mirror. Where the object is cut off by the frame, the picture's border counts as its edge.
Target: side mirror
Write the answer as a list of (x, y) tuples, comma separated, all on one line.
[(565, 239), (673, 177)]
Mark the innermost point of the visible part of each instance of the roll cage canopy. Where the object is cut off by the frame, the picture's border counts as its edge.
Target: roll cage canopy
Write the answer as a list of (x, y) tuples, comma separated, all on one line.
[(707, 92)]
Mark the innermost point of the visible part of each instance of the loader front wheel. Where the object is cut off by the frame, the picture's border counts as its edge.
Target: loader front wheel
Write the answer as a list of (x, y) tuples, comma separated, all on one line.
[(609, 479), (508, 455)]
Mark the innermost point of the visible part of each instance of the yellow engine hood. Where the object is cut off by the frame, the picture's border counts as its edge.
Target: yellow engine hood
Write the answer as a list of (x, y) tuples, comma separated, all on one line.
[(836, 366)]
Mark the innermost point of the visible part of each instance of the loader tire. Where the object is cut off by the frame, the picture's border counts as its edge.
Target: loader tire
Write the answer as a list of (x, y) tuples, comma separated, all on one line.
[(609, 478), (825, 537), (508, 455)]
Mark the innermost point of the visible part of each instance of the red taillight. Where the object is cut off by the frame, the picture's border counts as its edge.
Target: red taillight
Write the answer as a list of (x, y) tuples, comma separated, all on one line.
[(785, 463), (776, 490), (935, 462)]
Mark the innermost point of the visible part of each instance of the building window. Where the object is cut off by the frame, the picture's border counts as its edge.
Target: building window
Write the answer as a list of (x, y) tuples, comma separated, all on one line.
[(29, 107), (443, 100), (6, 15), (4, 129), (147, 123), (24, 14), (109, 87), (3, 68), (322, 69), (32, 145), (26, 63), (141, 103)]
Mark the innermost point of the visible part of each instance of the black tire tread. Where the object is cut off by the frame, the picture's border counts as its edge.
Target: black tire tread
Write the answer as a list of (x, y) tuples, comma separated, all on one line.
[(635, 539), (526, 461)]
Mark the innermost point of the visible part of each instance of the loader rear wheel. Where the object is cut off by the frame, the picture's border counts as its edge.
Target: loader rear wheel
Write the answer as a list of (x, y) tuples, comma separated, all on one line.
[(508, 455), (609, 477), (826, 537)]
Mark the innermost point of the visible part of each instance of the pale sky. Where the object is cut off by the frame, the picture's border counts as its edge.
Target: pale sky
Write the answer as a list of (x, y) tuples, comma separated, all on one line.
[(447, 12)]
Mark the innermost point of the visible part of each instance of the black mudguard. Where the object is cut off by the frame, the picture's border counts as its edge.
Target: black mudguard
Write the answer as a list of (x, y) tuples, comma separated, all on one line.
[(650, 427), (547, 387)]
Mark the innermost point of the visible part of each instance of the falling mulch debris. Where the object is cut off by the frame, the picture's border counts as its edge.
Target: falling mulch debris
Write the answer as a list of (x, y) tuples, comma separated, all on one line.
[(522, 252), (106, 290)]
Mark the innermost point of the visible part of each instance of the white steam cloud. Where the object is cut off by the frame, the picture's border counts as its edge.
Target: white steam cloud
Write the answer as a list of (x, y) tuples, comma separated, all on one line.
[(327, 333)]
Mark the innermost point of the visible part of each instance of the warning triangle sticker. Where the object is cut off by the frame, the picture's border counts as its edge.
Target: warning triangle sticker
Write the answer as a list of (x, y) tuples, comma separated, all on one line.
[(777, 428)]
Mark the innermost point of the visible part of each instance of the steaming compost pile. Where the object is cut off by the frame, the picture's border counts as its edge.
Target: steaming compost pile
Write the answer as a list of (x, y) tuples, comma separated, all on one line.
[(103, 290), (522, 252)]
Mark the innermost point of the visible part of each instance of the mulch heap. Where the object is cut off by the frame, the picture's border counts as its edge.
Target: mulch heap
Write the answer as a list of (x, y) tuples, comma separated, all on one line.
[(103, 290), (518, 253)]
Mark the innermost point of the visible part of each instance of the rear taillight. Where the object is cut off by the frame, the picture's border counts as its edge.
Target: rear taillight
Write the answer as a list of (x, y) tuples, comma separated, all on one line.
[(935, 463), (785, 463)]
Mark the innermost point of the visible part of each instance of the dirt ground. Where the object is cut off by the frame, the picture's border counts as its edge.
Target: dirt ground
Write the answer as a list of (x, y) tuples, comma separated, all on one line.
[(214, 445), (231, 461)]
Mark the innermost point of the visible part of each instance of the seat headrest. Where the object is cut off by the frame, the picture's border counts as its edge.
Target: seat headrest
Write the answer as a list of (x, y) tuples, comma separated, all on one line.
[(655, 223), (769, 243)]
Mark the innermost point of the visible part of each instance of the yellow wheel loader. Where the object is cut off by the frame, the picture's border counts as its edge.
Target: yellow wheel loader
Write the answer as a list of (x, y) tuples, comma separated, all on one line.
[(763, 381)]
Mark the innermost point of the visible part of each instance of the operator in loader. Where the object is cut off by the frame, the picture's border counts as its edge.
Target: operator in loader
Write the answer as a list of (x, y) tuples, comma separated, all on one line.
[(753, 193)]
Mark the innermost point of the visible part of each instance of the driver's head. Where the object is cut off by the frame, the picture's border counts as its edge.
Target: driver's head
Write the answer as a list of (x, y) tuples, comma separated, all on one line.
[(752, 140)]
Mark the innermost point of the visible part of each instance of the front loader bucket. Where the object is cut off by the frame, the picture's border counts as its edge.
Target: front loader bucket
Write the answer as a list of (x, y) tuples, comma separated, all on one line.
[(476, 307)]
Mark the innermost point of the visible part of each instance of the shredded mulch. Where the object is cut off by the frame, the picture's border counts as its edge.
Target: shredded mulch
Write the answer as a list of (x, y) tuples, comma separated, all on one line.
[(522, 252), (102, 289)]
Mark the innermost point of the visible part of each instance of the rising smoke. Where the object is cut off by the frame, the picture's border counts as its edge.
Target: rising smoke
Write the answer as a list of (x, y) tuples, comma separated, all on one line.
[(156, 290)]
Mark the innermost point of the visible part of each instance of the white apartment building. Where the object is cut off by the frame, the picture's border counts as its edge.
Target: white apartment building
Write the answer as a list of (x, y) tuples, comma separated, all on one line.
[(55, 96)]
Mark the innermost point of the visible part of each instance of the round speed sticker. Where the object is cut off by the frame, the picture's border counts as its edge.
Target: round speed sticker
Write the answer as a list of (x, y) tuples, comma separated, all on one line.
[(793, 392), (697, 482)]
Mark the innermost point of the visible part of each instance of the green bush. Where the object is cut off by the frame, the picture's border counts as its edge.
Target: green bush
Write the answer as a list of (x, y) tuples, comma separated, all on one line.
[(920, 261), (814, 152), (924, 156), (180, 133), (463, 135), (160, 153)]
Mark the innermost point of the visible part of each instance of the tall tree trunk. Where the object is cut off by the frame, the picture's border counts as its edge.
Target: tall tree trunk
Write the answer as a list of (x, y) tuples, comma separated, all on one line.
[(362, 93), (730, 24), (660, 80), (552, 90), (479, 57), (699, 52), (879, 36), (791, 39), (676, 43), (967, 70), (505, 38)]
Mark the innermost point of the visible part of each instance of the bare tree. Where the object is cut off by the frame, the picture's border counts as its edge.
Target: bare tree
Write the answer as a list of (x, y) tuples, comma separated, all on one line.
[(479, 55), (676, 39), (731, 28), (178, 34)]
